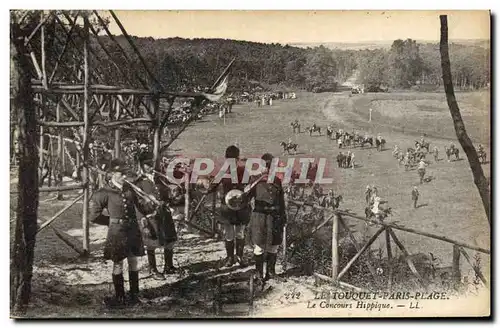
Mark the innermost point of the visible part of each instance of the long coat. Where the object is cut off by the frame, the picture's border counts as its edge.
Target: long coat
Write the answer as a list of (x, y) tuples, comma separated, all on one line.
[(124, 237), (269, 214), (161, 226)]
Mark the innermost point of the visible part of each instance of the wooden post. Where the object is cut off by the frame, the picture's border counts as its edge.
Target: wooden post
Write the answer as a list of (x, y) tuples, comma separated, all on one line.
[(23, 248), (157, 130), (214, 219), (335, 247), (283, 245), (476, 270), (85, 148), (411, 265), (361, 251), (117, 133), (356, 245), (389, 258), (455, 267), (42, 46), (186, 197), (41, 146), (60, 151)]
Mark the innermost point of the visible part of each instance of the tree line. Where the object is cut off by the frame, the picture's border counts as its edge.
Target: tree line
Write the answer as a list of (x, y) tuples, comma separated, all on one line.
[(184, 64), (407, 64)]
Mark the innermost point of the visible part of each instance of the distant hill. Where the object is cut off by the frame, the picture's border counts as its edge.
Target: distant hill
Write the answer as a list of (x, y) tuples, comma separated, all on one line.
[(385, 44)]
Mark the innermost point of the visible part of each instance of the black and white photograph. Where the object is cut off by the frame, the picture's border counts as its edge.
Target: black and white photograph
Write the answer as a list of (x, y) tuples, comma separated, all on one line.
[(201, 164)]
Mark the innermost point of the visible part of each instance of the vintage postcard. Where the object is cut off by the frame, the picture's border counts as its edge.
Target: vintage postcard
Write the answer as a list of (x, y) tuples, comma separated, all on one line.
[(252, 164)]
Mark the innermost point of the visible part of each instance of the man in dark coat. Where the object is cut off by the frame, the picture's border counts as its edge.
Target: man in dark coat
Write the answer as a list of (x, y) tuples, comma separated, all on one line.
[(156, 223), (267, 221), (124, 237), (234, 222)]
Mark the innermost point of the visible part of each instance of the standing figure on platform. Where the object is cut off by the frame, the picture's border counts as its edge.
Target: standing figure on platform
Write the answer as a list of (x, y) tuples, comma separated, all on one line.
[(157, 225), (267, 221), (123, 240)]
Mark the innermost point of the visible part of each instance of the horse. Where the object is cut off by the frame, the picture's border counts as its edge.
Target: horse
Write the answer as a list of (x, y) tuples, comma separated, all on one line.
[(380, 144), (348, 140), (287, 147), (313, 129), (422, 145), (364, 140), (295, 126), (452, 151), (385, 213)]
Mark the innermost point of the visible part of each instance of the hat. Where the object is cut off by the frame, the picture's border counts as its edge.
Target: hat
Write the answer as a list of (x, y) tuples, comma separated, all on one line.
[(267, 157), (117, 165), (232, 152), (146, 158)]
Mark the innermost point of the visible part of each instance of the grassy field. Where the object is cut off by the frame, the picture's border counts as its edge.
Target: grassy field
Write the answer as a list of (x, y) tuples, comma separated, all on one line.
[(450, 204)]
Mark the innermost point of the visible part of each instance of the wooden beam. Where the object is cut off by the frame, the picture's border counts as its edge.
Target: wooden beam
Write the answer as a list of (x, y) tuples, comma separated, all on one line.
[(35, 30), (125, 122), (389, 258), (137, 52), (85, 169), (340, 283), (60, 124), (60, 149), (97, 74), (335, 247), (113, 61), (79, 90), (361, 251), (407, 257), (356, 245), (476, 270), (58, 214), (63, 52), (35, 64), (396, 227), (124, 53), (42, 50), (455, 266)]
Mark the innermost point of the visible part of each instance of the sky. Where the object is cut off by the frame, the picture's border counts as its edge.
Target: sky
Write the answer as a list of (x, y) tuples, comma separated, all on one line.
[(304, 26)]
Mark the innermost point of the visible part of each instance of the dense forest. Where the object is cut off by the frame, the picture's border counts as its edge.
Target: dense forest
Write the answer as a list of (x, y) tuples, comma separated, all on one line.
[(184, 64)]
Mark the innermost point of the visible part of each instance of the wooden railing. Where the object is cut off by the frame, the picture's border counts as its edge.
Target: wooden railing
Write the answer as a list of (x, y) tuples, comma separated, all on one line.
[(338, 218)]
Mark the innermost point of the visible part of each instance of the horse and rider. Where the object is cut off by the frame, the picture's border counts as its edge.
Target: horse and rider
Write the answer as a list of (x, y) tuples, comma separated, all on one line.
[(314, 128), (289, 146)]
